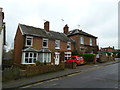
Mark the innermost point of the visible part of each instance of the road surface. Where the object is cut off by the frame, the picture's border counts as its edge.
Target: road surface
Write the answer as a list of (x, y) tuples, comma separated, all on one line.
[(101, 77)]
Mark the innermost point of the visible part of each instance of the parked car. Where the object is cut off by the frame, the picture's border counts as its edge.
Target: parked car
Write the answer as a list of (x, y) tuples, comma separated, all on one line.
[(77, 59)]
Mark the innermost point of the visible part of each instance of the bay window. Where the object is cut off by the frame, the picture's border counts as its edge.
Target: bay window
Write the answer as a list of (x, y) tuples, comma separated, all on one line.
[(29, 58), (45, 57)]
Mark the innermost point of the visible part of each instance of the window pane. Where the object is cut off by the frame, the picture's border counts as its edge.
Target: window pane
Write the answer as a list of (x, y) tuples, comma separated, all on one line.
[(29, 41), (35, 54), (45, 57), (41, 57), (68, 45), (30, 54), (45, 44), (26, 54), (57, 43), (30, 60), (26, 60)]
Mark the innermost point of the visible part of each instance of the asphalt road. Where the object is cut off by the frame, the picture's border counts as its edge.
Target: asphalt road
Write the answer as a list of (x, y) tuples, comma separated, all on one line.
[(101, 77)]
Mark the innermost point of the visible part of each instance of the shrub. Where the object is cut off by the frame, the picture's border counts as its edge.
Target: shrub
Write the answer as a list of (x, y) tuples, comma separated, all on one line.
[(38, 63), (89, 57), (45, 63), (11, 73)]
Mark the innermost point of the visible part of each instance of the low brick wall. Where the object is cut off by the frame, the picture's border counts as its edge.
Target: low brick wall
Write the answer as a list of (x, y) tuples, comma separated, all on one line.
[(106, 58), (73, 65), (16, 72), (36, 70)]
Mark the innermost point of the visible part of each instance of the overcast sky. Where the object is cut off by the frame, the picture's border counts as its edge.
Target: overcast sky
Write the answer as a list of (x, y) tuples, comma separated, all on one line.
[(97, 17)]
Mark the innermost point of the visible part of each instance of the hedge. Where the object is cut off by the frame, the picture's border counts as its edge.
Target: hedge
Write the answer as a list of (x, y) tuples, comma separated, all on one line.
[(89, 57)]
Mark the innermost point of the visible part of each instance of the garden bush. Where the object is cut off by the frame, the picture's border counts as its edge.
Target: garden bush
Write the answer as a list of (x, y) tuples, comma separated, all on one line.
[(39, 63), (10, 73), (89, 58)]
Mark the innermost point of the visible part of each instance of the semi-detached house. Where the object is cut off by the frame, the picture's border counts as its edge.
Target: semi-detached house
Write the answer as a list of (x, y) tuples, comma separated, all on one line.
[(31, 44)]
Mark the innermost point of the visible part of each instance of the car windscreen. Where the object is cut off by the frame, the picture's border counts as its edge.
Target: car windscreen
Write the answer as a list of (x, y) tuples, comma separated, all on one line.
[(80, 57), (70, 58)]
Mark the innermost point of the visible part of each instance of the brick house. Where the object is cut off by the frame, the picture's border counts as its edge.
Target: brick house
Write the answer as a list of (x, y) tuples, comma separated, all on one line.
[(107, 51), (85, 43), (31, 44)]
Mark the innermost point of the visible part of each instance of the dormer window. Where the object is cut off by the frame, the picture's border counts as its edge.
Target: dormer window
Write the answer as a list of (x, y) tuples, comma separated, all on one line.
[(29, 41), (57, 44), (45, 43), (68, 45)]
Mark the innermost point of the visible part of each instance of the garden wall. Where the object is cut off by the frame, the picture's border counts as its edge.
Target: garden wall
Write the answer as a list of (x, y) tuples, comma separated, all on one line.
[(16, 72)]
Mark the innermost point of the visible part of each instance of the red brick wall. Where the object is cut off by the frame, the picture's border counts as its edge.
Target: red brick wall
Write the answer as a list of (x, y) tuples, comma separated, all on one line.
[(37, 44), (86, 41), (18, 45), (76, 38)]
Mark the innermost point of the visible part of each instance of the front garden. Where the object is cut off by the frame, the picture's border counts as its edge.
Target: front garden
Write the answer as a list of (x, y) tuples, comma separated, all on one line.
[(20, 71)]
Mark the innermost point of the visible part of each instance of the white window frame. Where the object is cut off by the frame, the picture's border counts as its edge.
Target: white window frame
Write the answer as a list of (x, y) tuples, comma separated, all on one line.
[(57, 43), (69, 44), (31, 38), (67, 54), (23, 57), (91, 42), (81, 40), (47, 43), (48, 57)]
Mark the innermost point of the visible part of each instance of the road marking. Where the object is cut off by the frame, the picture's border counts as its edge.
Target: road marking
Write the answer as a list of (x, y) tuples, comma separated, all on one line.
[(72, 74), (53, 79), (31, 85), (39, 83)]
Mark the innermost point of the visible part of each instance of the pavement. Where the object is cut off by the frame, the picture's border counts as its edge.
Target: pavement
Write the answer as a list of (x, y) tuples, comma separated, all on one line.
[(48, 76)]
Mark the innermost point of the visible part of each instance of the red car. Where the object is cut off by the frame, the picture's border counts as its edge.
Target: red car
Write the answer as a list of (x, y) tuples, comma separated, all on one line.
[(78, 59)]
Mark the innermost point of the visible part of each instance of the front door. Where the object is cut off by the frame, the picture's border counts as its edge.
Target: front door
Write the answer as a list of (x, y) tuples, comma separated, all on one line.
[(57, 58)]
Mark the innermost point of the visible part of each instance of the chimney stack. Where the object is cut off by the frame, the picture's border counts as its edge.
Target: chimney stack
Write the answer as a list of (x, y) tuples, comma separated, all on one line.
[(46, 26), (66, 29)]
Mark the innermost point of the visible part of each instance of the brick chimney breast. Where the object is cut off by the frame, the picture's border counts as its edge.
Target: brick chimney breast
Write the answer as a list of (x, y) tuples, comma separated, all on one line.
[(66, 29), (46, 26)]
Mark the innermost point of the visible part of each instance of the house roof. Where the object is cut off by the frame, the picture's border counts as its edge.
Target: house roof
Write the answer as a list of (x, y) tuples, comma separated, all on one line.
[(30, 30), (44, 50), (29, 50), (80, 32), (108, 47)]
